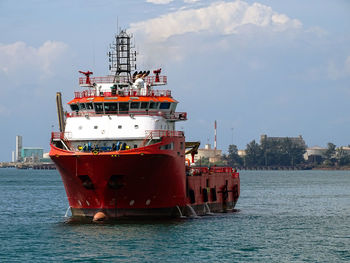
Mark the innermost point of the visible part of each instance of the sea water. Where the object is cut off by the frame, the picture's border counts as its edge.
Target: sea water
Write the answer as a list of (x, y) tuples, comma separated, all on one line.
[(283, 216)]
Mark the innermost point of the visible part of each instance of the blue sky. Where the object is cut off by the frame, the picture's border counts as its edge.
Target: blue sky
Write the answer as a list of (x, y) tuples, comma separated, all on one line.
[(280, 68)]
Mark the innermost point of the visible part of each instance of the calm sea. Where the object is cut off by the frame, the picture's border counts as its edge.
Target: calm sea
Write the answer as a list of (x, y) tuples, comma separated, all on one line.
[(284, 216)]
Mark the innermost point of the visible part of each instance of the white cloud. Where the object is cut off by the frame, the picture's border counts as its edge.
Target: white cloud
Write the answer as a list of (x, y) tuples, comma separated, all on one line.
[(190, 1), (336, 71), (18, 57), (223, 18), (159, 2)]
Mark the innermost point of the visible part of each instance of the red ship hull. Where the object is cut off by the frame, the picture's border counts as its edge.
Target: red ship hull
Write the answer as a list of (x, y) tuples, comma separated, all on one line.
[(143, 182)]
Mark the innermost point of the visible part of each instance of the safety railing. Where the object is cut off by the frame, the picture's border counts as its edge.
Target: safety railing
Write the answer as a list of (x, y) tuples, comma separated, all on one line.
[(151, 80), (157, 134), (60, 136), (169, 116), (126, 93), (199, 170), (57, 135), (163, 133), (63, 137), (220, 169), (214, 170)]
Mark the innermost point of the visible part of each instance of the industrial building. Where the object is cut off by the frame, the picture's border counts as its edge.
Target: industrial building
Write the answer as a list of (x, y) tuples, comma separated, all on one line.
[(213, 155), (28, 154), (295, 140), (315, 154), (32, 154)]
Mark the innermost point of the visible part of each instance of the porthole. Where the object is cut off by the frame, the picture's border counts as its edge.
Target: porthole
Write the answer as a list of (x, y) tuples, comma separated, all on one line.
[(136, 126), (95, 127), (119, 126)]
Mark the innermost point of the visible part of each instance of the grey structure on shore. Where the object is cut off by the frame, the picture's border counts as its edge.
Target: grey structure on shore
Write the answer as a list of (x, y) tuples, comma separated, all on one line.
[(295, 140), (28, 154), (18, 148)]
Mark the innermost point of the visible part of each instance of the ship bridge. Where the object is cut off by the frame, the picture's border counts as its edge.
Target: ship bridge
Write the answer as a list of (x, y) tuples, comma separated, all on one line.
[(123, 106)]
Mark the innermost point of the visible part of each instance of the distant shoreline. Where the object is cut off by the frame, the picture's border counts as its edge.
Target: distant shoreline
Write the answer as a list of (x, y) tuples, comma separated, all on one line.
[(332, 168)]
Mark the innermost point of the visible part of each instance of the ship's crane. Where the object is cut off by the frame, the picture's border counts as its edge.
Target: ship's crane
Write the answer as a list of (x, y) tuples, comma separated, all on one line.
[(192, 148)]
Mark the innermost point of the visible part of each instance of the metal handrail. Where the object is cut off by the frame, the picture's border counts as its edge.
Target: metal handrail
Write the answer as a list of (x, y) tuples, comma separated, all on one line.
[(164, 133), (157, 134), (128, 93), (168, 116), (151, 80)]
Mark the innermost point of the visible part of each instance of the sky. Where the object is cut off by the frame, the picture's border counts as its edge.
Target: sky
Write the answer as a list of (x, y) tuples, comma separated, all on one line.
[(280, 68)]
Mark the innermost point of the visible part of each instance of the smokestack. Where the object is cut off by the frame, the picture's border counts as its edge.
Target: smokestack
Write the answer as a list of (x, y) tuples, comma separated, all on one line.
[(215, 142)]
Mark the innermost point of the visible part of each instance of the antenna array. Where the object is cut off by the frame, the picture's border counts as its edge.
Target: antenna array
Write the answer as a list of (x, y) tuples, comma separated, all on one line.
[(122, 57)]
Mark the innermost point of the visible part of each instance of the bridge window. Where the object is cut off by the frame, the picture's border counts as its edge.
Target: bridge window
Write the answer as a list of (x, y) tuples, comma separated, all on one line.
[(74, 107), (123, 107), (82, 106), (111, 108), (164, 106), (98, 108), (134, 105), (89, 106), (153, 105), (144, 105)]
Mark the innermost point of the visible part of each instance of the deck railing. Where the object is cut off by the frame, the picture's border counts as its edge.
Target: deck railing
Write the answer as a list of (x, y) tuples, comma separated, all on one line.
[(149, 136), (169, 116), (163, 133), (151, 80), (60, 135), (157, 134), (128, 93), (214, 170)]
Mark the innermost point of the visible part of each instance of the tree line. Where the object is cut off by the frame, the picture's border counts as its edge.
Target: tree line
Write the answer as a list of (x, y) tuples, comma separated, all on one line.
[(283, 152), (335, 156)]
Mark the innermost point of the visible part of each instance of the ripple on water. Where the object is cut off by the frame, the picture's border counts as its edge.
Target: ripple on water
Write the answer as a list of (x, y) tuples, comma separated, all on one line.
[(294, 216)]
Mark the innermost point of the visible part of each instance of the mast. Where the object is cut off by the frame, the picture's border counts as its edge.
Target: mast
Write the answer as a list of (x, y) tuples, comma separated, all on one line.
[(60, 114), (122, 57), (215, 130)]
